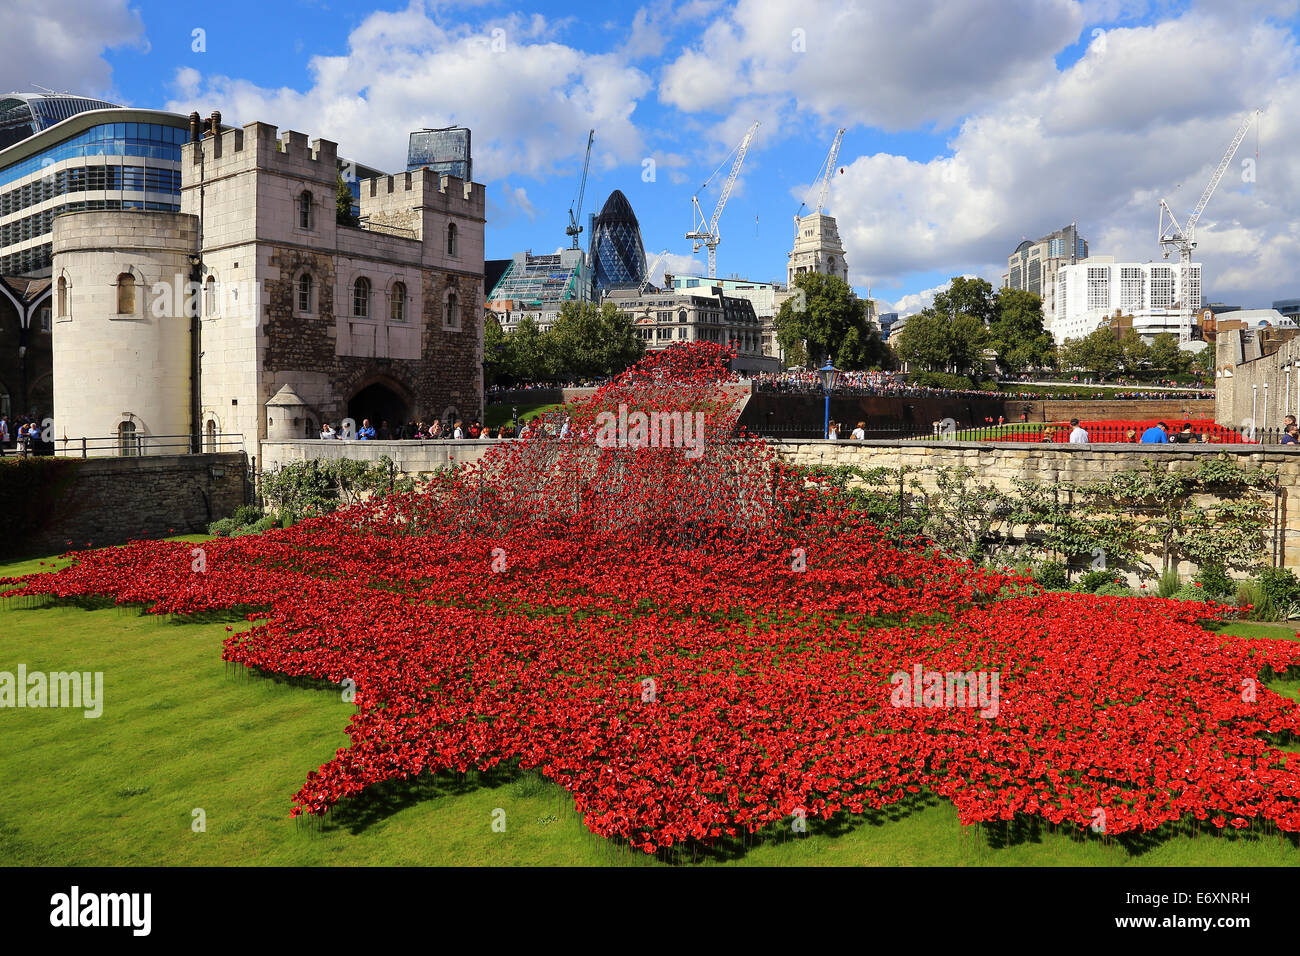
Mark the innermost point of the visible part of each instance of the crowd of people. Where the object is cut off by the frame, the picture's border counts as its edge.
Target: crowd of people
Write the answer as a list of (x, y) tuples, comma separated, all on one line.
[(418, 430), (895, 384), (19, 435)]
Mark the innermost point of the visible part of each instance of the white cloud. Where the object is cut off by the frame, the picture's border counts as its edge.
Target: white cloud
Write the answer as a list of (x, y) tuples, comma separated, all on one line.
[(60, 44), (530, 99), (914, 302)]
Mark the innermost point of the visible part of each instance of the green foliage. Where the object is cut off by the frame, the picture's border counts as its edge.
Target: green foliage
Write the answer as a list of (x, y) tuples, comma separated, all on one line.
[(1215, 582), (1280, 592), (1099, 352), (247, 519), (343, 204), (1168, 583), (308, 488), (1052, 575), (940, 380), (1091, 581), (931, 341), (1166, 356), (1017, 334), (1111, 589), (832, 321), (586, 341)]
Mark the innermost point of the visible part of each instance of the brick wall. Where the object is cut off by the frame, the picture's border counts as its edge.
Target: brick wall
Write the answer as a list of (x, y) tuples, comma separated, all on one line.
[(111, 500)]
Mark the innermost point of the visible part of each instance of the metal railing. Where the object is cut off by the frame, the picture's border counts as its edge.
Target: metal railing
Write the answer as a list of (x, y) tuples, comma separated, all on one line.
[(1110, 433), (140, 446)]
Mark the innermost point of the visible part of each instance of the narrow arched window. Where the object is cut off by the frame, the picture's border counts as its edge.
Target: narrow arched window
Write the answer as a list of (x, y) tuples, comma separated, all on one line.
[(453, 311), (397, 303), (304, 292), (451, 239), (63, 297), (304, 210), (128, 441), (211, 435), (210, 296), (126, 294), (361, 298)]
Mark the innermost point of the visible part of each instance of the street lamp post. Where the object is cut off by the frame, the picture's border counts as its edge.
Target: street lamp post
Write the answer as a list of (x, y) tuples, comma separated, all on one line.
[(828, 374)]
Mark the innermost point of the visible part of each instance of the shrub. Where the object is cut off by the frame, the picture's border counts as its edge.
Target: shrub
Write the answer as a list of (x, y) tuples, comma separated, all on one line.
[(1111, 589), (1092, 580), (1214, 580), (1190, 592), (1168, 583), (223, 527), (1051, 575), (1280, 587)]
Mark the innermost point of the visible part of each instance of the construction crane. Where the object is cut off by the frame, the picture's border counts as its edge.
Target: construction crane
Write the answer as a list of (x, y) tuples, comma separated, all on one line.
[(573, 229), (1182, 238), (646, 283), (710, 238), (824, 176)]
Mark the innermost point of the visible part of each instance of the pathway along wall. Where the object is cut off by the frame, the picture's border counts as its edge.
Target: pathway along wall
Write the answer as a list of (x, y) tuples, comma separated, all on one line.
[(998, 463)]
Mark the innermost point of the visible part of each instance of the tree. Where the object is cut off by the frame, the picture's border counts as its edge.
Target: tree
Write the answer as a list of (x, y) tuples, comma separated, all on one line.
[(496, 351), (1098, 352), (1016, 333), (823, 318), (530, 358), (1167, 356), (936, 342), (588, 341), (968, 296), (1134, 353), (343, 204)]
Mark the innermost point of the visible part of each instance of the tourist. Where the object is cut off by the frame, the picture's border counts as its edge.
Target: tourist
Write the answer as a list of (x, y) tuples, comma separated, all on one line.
[(1130, 436), (1077, 434), (860, 433), (4, 433), (435, 430), (833, 432), (524, 429), (367, 432), (326, 431), (385, 433), (458, 433), (564, 430), (1185, 435), (1291, 435), (1157, 434), (408, 430)]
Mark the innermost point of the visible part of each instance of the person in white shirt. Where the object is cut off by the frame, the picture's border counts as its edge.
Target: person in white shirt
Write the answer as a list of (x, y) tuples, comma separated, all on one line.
[(860, 433), (1077, 435), (564, 430), (459, 431), (833, 433), (326, 431)]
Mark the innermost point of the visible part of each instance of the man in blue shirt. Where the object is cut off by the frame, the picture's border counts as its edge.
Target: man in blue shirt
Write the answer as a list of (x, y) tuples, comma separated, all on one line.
[(1156, 435), (367, 432)]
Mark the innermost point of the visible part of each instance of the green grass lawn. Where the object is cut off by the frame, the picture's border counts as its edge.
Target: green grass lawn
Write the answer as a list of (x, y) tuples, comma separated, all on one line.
[(180, 731), (499, 414)]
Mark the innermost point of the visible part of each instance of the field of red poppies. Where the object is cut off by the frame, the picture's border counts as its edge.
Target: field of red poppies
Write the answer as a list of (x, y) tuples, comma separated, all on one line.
[(699, 646)]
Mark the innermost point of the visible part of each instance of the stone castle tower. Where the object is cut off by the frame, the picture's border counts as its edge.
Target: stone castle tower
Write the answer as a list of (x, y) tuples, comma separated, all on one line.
[(817, 248), (379, 321)]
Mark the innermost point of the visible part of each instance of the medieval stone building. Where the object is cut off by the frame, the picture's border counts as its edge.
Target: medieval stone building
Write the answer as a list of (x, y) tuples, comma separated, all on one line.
[(381, 320)]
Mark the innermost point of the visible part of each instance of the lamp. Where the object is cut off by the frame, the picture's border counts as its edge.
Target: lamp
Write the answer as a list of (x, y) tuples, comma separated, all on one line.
[(828, 374)]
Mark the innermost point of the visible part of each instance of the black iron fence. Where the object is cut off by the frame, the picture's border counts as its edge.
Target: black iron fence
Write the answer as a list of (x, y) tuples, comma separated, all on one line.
[(1109, 433), (130, 445)]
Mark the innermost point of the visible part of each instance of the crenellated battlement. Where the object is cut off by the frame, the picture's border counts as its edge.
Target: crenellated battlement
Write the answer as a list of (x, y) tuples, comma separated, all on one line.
[(261, 146), (424, 189)]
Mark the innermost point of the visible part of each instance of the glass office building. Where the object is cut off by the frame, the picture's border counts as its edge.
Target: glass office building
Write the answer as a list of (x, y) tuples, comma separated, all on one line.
[(445, 151), (98, 157), (616, 248)]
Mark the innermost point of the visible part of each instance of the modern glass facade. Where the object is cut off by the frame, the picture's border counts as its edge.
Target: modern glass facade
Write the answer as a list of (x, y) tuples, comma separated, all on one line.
[(106, 165), (616, 247), (26, 114)]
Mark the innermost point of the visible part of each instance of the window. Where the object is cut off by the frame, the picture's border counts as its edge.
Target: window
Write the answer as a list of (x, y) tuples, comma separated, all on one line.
[(304, 292), (210, 436), (126, 294), (44, 318), (681, 316), (453, 311), (1098, 287), (304, 211), (451, 239), (128, 441), (63, 297), (1130, 288), (397, 303), (361, 298), (210, 296), (1162, 287)]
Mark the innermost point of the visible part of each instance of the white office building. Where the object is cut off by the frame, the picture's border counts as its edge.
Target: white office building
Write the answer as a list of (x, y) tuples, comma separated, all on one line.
[(1089, 292)]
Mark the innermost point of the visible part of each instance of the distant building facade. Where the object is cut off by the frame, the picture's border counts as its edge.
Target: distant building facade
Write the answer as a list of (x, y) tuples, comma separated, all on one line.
[(1033, 266), (1088, 293), (704, 315), (538, 286), (817, 248)]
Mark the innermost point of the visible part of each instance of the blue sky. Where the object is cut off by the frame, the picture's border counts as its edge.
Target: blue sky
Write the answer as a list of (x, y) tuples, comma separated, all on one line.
[(969, 123)]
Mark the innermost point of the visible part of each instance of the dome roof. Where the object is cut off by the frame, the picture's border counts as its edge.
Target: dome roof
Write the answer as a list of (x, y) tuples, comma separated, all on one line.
[(617, 209)]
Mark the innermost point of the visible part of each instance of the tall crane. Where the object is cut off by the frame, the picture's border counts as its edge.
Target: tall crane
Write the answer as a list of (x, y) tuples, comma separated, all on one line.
[(710, 238), (824, 176), (646, 283), (573, 229), (1182, 238)]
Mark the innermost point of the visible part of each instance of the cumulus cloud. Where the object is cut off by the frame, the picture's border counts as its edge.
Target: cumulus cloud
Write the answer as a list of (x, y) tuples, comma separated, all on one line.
[(530, 98), (60, 44)]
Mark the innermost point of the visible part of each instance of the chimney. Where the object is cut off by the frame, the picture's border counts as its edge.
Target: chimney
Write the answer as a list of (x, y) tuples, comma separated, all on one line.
[(194, 127)]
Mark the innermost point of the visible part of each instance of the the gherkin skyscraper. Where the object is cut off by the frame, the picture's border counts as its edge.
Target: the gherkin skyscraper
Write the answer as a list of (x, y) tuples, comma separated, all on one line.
[(616, 247)]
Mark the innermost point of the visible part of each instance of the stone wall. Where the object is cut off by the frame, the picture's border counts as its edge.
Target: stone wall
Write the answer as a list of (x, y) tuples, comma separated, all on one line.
[(112, 500), (413, 458), (998, 463)]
